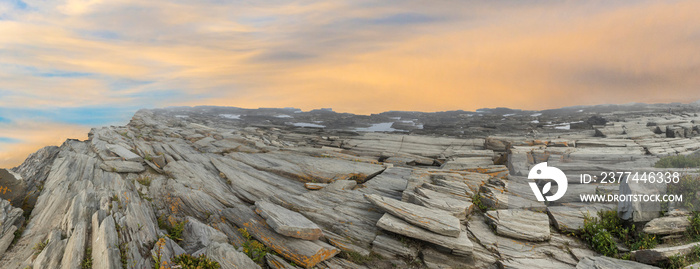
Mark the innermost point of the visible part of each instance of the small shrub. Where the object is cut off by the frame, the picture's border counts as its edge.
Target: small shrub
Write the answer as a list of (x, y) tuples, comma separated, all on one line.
[(144, 180), (39, 247), (87, 261), (476, 200), (680, 161), (693, 231), (359, 258), (187, 261), (688, 187), (255, 250), (173, 227)]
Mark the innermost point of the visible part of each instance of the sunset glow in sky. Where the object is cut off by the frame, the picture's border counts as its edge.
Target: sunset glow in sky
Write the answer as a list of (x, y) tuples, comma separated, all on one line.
[(66, 66)]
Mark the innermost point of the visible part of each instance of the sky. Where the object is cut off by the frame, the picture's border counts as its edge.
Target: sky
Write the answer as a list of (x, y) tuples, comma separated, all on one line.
[(66, 66)]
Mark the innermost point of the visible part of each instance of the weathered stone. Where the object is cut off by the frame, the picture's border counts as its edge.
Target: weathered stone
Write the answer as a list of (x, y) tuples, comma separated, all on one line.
[(391, 248), (122, 167), (275, 262), (520, 224), (602, 262), (459, 245), (287, 222), (198, 235), (571, 219), (228, 257), (437, 221), (301, 252), (657, 255), (667, 225), (124, 153)]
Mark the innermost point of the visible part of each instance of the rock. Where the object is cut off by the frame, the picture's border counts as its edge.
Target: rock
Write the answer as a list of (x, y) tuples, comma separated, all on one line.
[(667, 225), (198, 235), (391, 248), (520, 224), (639, 211), (275, 262), (287, 222), (301, 252), (124, 153), (122, 167), (459, 245), (165, 249), (602, 262), (105, 245), (228, 257), (315, 186), (342, 185), (458, 206), (571, 219), (345, 244), (657, 255), (437, 221)]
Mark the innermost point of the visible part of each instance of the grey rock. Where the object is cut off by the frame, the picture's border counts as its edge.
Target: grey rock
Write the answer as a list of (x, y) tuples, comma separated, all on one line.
[(391, 248), (438, 221), (660, 254), (460, 245), (667, 225), (122, 167), (198, 235), (287, 222), (602, 262), (228, 257), (520, 224), (124, 153)]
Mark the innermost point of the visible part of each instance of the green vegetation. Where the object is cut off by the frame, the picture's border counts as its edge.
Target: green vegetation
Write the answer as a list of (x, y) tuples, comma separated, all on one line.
[(144, 180), (187, 261), (87, 261), (681, 261), (679, 161), (601, 232), (39, 247), (173, 227), (255, 250), (688, 187), (359, 258), (476, 200), (123, 251)]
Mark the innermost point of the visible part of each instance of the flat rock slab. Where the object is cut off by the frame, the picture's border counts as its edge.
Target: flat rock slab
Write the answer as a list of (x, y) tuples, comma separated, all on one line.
[(122, 167), (667, 225), (456, 205), (302, 252), (460, 245), (437, 221), (520, 224), (602, 262), (570, 219), (124, 153), (287, 222), (657, 255)]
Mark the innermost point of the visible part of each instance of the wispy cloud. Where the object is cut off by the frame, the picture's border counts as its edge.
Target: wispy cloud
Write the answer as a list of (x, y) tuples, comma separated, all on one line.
[(94, 62)]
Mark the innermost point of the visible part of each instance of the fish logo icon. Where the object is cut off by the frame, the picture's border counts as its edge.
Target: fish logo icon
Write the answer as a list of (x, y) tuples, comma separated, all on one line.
[(542, 171)]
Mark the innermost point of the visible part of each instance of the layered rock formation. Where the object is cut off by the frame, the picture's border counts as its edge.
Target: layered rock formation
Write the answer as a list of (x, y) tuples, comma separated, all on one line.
[(212, 180)]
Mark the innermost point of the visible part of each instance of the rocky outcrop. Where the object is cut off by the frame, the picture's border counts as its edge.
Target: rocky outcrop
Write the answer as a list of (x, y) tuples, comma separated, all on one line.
[(189, 180)]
